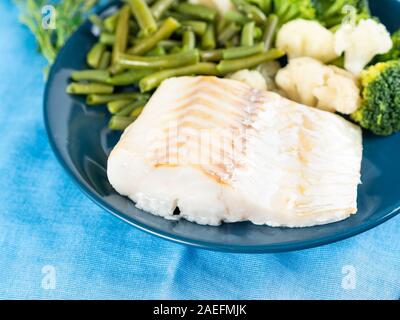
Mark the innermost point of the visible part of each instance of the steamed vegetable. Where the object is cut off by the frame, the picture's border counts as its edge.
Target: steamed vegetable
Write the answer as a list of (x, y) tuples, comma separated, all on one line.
[(333, 12), (120, 123), (227, 66), (288, 10), (154, 80), (380, 110), (251, 77), (93, 58), (361, 43), (167, 61), (89, 88), (144, 17), (304, 38), (164, 32), (146, 42), (329, 88), (394, 53), (223, 6)]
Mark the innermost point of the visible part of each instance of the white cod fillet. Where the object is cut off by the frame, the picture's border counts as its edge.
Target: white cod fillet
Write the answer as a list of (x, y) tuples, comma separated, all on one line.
[(220, 151)]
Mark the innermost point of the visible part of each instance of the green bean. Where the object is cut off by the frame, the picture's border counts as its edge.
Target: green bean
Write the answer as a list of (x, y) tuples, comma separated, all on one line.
[(208, 40), (237, 17), (290, 15), (221, 25), (188, 40), (211, 55), (270, 31), (120, 123), (197, 11), (178, 16), (111, 22), (234, 42), (168, 44), (136, 113), (94, 56), (199, 27), (89, 88), (241, 52), (228, 33), (160, 7), (94, 99), (258, 33), (175, 50), (227, 66), (167, 61), (265, 5), (129, 77), (115, 106), (247, 37), (128, 109), (107, 38), (121, 33), (252, 12), (156, 52), (154, 80), (90, 75), (96, 21), (164, 32), (334, 8), (283, 8), (143, 16), (105, 60)]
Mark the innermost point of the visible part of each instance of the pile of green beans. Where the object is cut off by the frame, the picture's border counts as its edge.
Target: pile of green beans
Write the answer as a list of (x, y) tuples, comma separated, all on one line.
[(147, 41)]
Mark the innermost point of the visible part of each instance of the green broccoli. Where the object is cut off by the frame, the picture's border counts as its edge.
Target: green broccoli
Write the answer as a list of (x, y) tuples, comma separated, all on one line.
[(394, 53), (380, 109), (288, 10), (331, 12)]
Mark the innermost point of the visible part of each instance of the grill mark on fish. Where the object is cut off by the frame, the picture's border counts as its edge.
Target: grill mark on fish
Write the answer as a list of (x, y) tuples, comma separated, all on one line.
[(195, 111)]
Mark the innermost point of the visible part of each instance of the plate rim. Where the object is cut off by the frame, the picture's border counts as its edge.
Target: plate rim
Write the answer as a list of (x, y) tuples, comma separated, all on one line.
[(211, 246)]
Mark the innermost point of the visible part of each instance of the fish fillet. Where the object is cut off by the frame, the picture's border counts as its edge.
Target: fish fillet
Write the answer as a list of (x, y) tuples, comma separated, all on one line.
[(213, 150)]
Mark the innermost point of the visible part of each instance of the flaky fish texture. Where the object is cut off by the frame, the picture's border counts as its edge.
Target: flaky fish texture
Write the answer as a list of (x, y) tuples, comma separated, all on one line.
[(213, 150)]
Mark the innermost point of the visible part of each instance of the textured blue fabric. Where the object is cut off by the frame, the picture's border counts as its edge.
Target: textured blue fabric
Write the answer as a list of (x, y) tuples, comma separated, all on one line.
[(46, 223)]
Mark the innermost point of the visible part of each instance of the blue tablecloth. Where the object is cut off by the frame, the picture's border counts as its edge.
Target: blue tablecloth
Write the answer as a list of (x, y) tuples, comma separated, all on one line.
[(56, 243)]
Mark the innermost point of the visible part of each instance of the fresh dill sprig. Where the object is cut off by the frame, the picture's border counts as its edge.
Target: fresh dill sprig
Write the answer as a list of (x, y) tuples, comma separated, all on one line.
[(69, 16)]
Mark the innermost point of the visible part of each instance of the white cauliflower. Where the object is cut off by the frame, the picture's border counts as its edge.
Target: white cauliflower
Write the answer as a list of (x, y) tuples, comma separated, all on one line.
[(305, 38), (329, 88), (361, 43), (251, 77), (223, 6)]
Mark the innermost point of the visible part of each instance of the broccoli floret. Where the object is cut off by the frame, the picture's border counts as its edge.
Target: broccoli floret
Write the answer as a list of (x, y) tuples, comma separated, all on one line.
[(380, 109), (331, 12), (288, 10), (394, 53)]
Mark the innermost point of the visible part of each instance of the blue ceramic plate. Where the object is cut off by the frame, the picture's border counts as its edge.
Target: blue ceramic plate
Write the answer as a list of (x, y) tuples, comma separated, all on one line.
[(82, 142)]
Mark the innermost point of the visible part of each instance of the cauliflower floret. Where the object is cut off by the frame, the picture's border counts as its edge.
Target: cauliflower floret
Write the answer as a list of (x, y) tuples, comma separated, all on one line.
[(329, 88), (223, 6), (251, 77), (361, 43), (305, 38)]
